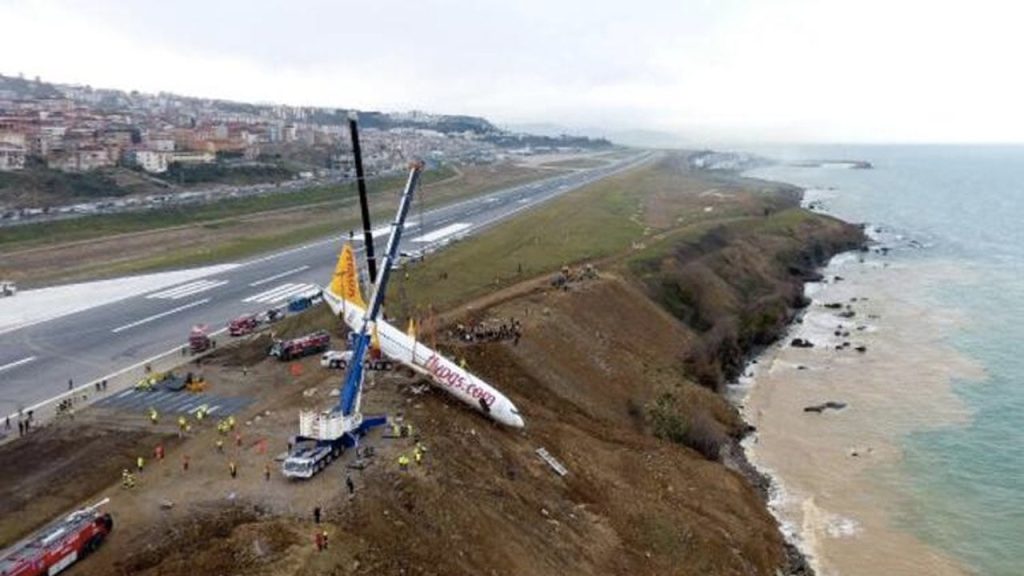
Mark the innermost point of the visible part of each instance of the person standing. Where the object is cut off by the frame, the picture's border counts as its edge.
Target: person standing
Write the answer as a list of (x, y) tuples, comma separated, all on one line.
[(233, 468), (316, 515), (350, 485), (71, 384), (266, 472)]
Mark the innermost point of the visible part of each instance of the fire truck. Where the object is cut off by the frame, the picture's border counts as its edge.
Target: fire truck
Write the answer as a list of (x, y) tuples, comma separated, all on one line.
[(199, 339), (314, 343), (58, 545), (243, 325)]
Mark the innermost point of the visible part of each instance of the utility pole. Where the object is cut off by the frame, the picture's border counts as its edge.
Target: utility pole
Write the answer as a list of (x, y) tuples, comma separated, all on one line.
[(371, 260)]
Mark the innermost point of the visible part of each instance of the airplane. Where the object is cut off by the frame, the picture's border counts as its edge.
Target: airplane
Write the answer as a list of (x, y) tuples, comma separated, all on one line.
[(344, 297)]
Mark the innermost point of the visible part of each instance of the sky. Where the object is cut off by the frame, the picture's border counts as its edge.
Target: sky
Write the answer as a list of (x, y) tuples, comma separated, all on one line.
[(712, 71)]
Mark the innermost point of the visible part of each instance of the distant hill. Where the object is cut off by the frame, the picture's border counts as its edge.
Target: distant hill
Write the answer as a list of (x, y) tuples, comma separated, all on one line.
[(18, 88), (112, 100)]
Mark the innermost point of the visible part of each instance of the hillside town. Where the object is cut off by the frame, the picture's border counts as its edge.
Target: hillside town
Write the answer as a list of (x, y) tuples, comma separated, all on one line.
[(173, 140)]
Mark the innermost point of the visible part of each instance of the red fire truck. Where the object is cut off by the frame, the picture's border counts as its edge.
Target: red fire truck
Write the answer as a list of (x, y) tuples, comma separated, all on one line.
[(243, 325), (314, 343), (59, 544), (199, 339)]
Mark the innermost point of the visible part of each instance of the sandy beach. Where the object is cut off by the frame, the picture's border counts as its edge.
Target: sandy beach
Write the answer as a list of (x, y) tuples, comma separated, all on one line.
[(839, 487)]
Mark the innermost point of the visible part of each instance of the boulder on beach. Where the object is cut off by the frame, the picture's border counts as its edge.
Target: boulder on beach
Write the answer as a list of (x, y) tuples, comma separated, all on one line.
[(819, 408), (801, 343)]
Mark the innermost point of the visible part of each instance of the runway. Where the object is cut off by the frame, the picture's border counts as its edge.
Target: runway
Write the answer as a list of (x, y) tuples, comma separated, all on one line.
[(37, 360)]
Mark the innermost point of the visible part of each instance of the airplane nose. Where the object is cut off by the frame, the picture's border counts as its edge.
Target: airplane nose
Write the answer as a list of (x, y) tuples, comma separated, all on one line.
[(515, 421)]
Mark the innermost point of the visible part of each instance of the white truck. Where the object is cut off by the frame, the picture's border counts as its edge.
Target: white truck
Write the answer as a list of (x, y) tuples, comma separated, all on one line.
[(336, 359), (339, 359)]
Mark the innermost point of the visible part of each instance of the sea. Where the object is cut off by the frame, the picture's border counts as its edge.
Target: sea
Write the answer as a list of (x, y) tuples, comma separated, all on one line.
[(921, 471)]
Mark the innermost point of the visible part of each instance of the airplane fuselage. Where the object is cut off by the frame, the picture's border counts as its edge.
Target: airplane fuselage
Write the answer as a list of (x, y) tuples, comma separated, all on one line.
[(442, 372)]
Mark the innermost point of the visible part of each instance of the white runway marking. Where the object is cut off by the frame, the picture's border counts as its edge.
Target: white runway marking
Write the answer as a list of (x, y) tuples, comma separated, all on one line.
[(189, 289), (160, 315), (17, 363), (443, 232), (283, 292), (277, 276), (382, 231)]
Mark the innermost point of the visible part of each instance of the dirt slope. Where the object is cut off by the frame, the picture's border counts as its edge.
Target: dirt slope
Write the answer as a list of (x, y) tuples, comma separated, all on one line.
[(482, 502)]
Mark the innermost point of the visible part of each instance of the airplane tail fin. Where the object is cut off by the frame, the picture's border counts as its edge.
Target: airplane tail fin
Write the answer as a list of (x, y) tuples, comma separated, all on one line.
[(345, 282)]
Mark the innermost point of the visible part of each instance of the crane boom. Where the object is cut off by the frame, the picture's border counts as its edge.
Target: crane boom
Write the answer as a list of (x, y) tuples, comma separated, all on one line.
[(353, 378), (324, 435)]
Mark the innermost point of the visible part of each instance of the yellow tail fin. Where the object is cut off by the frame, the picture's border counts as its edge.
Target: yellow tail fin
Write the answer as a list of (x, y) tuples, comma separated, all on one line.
[(345, 282)]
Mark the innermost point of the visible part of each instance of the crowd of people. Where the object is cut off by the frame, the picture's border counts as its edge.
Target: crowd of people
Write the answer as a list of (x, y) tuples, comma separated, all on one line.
[(488, 331), (569, 275)]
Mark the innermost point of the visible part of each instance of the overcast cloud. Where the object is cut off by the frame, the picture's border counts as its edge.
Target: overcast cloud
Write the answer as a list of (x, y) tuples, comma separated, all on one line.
[(779, 70)]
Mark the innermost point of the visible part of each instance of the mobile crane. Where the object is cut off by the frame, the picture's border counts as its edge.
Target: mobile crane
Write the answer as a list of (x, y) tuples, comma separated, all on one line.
[(323, 436)]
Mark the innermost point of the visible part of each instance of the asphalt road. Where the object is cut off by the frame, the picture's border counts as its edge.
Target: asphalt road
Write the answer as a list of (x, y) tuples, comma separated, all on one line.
[(36, 361)]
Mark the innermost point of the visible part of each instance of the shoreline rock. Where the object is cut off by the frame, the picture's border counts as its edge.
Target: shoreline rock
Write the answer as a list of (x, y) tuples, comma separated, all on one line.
[(801, 343), (830, 405)]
